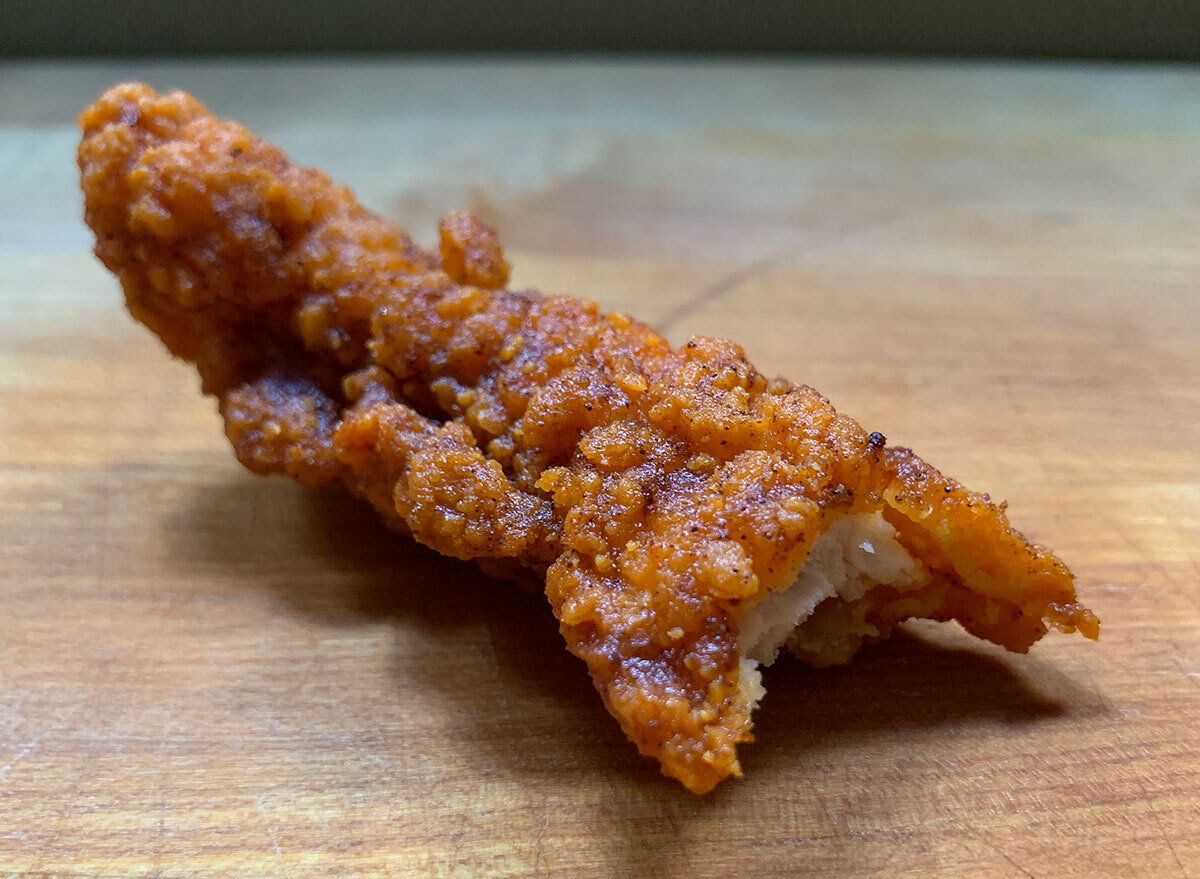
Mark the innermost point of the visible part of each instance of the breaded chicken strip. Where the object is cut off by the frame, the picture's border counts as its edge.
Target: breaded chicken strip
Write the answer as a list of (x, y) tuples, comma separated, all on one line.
[(689, 516)]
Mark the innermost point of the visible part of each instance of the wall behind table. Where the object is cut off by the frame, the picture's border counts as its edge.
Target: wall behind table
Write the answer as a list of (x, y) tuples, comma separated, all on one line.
[(1147, 29)]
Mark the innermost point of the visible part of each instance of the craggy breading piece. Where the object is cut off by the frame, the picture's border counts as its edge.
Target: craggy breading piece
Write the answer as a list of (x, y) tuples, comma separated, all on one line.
[(690, 517)]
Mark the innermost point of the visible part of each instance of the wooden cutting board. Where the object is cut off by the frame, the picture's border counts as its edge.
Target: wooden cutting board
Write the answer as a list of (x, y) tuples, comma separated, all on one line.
[(203, 673)]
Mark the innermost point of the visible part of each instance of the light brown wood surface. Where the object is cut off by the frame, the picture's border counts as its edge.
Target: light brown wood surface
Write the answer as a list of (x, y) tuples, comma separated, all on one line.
[(203, 673)]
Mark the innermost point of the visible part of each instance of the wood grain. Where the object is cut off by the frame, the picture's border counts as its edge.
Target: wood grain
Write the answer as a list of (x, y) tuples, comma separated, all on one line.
[(203, 673)]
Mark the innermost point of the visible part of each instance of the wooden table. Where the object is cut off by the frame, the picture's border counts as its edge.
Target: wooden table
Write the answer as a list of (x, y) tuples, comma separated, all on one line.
[(203, 673)]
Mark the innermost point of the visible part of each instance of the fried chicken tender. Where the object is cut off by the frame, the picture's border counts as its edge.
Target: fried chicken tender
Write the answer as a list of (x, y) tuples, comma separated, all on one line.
[(689, 516)]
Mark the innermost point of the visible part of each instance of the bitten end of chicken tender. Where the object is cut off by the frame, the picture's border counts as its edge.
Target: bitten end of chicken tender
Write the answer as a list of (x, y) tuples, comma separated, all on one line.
[(689, 517)]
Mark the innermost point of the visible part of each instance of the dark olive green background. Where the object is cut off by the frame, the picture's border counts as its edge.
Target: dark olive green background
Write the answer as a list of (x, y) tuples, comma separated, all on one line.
[(1154, 29)]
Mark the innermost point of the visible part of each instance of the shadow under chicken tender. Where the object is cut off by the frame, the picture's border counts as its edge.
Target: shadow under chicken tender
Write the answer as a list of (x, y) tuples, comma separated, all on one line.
[(689, 516)]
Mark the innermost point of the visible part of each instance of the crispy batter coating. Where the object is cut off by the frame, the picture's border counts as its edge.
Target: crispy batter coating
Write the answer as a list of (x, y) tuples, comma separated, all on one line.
[(660, 491)]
